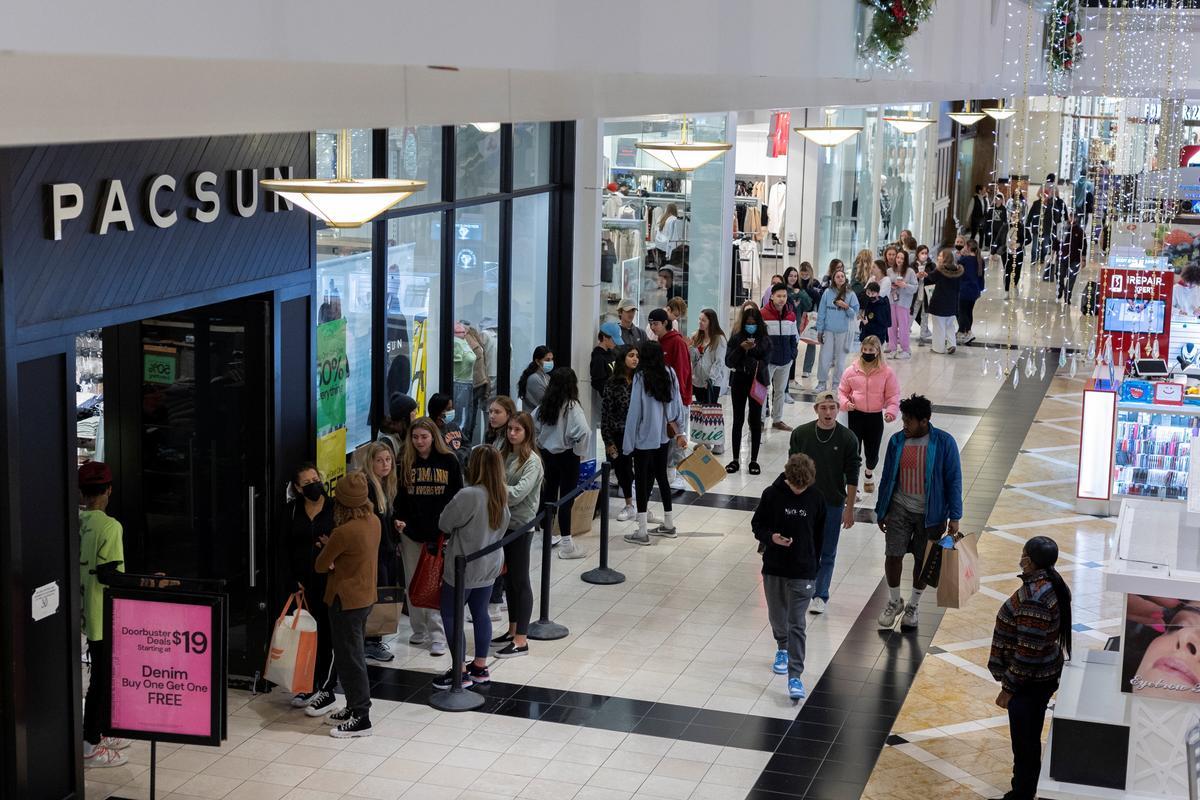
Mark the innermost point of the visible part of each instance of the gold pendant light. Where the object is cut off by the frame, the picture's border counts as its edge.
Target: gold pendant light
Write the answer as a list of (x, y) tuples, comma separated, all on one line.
[(909, 124), (684, 156), (828, 135), (966, 117), (344, 202)]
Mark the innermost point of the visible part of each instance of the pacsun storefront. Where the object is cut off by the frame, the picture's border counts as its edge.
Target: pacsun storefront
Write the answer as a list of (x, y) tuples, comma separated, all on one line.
[(161, 313)]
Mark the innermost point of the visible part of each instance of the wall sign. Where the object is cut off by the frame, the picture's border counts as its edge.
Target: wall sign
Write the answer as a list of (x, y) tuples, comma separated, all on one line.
[(168, 665), (158, 368), (1134, 315)]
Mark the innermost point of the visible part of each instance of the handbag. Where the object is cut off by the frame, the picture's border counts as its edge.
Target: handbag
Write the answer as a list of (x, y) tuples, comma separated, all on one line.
[(425, 589), (292, 658), (758, 388)]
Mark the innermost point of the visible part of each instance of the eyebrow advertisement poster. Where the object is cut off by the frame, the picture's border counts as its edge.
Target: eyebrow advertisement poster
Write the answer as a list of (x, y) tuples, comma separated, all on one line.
[(1160, 652)]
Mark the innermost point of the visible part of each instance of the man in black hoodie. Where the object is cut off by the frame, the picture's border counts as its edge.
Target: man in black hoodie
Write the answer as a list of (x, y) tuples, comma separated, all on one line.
[(788, 524)]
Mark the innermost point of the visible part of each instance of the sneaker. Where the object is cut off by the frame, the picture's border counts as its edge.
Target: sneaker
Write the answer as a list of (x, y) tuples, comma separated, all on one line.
[(512, 651), (781, 662), (378, 651), (967, 338), (320, 704), (805, 376), (788, 399), (636, 538), (795, 689), (418, 639), (111, 743), (678, 484), (103, 757), (718, 450), (627, 513), (338, 717), (568, 549), (820, 387), (664, 531), (888, 618), (446, 680), (302, 699), (437, 649), (555, 539), (904, 355), (781, 426), (754, 468), (352, 728), (502, 640), (496, 611), (909, 621), (817, 606), (732, 467), (478, 675), (950, 350)]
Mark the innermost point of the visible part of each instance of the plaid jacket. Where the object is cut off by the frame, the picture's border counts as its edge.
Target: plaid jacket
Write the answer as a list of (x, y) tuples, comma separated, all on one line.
[(1025, 647)]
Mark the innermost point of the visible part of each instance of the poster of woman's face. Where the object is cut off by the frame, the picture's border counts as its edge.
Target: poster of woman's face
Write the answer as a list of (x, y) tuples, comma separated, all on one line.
[(1161, 648)]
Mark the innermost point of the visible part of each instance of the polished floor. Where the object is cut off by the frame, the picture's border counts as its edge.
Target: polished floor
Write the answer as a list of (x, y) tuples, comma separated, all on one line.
[(663, 689)]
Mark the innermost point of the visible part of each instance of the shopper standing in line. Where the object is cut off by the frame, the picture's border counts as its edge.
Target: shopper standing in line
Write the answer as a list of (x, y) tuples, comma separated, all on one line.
[(604, 355), (562, 438), (942, 306), (861, 275), (921, 267), (380, 469), (475, 518), (429, 477), (920, 498), (834, 449), (969, 290), (788, 523), (876, 314), (531, 386), (351, 557), (679, 361), (656, 419), (441, 410), (500, 411), (780, 321), (838, 309), (1031, 638), (746, 357), (802, 304), (631, 335), (869, 393), (707, 352), (614, 407), (903, 294), (811, 287), (523, 475), (393, 429), (677, 311)]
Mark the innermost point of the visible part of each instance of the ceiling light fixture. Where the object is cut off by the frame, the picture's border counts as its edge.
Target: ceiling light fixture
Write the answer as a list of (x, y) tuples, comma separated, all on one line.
[(344, 202), (828, 135), (909, 124), (966, 117), (999, 113), (486, 127), (684, 156)]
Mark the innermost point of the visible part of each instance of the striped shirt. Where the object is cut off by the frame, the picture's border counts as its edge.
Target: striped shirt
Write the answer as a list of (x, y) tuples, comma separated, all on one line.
[(1025, 646), (910, 483)]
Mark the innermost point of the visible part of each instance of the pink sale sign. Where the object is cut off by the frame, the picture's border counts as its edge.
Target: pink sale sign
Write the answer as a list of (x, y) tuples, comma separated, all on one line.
[(162, 675)]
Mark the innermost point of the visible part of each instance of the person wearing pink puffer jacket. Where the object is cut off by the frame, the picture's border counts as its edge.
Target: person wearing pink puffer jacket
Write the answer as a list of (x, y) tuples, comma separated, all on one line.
[(870, 394)]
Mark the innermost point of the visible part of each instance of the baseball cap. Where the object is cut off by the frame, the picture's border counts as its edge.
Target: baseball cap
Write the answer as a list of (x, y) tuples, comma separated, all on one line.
[(626, 305), (658, 315), (824, 397), (95, 473), (612, 330)]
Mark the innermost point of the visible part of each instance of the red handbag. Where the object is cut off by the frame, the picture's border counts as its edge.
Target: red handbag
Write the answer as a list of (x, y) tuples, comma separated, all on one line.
[(425, 590)]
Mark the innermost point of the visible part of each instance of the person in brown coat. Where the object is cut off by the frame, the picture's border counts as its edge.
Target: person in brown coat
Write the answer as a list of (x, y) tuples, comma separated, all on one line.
[(350, 556)]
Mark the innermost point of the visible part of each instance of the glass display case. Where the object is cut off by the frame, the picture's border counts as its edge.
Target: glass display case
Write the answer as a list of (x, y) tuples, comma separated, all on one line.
[(1153, 450)]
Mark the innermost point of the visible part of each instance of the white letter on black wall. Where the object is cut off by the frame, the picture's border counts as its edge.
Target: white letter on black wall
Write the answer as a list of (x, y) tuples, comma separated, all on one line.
[(240, 190), (160, 219), (60, 209), (115, 209), (205, 196)]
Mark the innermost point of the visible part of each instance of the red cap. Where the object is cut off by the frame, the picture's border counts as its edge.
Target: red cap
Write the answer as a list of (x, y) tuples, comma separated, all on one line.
[(95, 473)]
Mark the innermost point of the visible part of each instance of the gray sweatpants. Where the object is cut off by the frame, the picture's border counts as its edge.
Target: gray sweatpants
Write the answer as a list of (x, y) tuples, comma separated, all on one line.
[(787, 608)]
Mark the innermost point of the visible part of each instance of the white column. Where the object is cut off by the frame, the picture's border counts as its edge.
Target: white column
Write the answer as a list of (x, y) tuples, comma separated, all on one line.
[(802, 174), (585, 303)]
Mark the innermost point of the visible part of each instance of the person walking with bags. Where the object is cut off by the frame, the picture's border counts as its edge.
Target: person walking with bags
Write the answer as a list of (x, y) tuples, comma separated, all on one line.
[(523, 475), (562, 436), (1031, 638), (942, 306), (920, 308), (614, 407), (780, 321), (788, 524), (656, 418), (351, 557), (746, 358), (869, 393), (838, 309), (429, 477), (476, 517), (709, 376)]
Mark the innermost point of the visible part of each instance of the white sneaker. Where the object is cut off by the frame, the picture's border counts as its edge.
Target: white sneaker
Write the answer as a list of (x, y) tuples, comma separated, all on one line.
[(679, 484), (437, 649), (909, 621), (299, 700), (627, 513), (418, 639), (103, 757), (888, 618), (554, 540), (495, 611), (568, 549), (817, 606), (903, 356), (115, 744)]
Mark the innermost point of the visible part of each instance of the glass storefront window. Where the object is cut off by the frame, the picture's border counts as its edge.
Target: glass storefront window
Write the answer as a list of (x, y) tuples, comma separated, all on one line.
[(530, 257), (89, 396), (531, 154), (477, 162), (476, 297), (360, 153), (846, 206), (412, 300), (903, 181), (344, 332), (415, 153)]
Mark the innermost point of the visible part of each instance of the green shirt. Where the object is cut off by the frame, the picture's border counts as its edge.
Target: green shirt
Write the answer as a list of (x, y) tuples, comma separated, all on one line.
[(464, 362), (835, 454), (99, 543)]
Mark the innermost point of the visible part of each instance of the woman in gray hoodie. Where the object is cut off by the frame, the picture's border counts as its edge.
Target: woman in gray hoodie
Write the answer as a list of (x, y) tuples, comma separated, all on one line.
[(562, 437), (523, 473)]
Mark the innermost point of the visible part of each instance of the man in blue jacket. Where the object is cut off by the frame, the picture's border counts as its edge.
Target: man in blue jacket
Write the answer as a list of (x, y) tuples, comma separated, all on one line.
[(920, 498), (780, 319)]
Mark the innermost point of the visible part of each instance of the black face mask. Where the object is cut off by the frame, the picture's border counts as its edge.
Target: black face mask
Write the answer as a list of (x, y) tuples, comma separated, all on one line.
[(313, 491), (868, 356), (958, 247)]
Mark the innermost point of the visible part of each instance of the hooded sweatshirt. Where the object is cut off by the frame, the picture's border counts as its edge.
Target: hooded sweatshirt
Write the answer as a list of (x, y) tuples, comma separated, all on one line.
[(465, 521), (799, 517), (434, 481), (781, 327), (946, 282), (877, 318), (675, 353)]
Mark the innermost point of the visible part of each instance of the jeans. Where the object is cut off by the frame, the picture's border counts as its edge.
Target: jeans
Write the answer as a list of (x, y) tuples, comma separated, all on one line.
[(868, 427), (464, 406), (516, 581), (779, 379), (787, 608), (425, 621), (898, 333), (562, 473), (833, 356), (348, 628), (966, 314), (810, 358), (1026, 715), (739, 394), (829, 544), (943, 333), (650, 466), (477, 601), (1013, 261), (97, 692)]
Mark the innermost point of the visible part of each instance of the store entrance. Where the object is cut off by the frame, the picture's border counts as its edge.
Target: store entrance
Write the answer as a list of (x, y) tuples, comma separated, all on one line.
[(191, 434)]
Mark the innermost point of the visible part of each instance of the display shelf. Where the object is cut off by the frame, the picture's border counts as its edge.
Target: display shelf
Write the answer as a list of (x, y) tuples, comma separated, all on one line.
[(1152, 450)]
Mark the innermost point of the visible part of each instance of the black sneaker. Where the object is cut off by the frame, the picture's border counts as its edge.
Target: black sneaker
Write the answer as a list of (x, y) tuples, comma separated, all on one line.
[(338, 717), (320, 704), (502, 640), (478, 675), (446, 680), (352, 728), (512, 651)]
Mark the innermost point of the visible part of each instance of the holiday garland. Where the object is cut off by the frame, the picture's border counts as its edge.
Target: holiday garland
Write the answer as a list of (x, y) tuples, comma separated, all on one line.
[(1063, 37), (894, 21)]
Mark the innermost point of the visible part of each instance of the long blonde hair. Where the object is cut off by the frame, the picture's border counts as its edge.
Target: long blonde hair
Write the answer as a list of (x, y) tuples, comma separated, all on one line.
[(410, 449), (385, 489), (868, 366), (862, 266), (485, 469), (524, 450)]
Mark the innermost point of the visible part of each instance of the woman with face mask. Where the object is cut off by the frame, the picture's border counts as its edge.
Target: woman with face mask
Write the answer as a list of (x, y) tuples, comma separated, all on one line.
[(443, 413), (839, 308), (531, 386), (746, 357), (869, 393)]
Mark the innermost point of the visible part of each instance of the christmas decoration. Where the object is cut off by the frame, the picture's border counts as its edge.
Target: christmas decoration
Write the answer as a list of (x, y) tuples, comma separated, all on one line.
[(891, 25), (1063, 41)]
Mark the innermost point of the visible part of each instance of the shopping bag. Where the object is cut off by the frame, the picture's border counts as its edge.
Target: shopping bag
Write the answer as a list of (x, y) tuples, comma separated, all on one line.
[(583, 510), (931, 569), (708, 425), (384, 619), (960, 573), (701, 470), (292, 658), (425, 590), (808, 331)]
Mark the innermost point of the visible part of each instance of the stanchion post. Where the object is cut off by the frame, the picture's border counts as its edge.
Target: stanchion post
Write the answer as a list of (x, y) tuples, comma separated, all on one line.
[(544, 629), (602, 575), (454, 698)]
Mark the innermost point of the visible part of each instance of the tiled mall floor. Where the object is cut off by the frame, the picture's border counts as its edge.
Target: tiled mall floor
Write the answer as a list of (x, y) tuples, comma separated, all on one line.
[(663, 689)]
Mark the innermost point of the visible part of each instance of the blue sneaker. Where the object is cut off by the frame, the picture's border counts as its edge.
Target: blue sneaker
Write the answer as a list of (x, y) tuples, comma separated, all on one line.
[(795, 689), (781, 662)]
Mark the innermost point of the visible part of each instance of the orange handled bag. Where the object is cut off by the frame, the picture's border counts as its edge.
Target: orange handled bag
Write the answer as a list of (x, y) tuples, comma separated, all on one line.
[(293, 655)]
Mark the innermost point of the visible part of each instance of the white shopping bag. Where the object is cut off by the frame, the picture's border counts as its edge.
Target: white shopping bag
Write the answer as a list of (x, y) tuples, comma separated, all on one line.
[(292, 658)]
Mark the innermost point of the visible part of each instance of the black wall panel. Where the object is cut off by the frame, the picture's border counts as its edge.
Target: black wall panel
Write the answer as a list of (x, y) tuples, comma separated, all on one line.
[(86, 273)]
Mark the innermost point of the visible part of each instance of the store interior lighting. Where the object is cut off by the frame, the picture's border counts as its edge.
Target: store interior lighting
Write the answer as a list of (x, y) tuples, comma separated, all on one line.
[(684, 156), (966, 117), (828, 135), (909, 124), (344, 202), (486, 127), (1000, 112)]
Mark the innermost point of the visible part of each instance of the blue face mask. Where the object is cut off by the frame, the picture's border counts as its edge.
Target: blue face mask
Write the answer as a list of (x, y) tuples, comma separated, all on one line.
[(449, 416), (547, 366), (752, 328)]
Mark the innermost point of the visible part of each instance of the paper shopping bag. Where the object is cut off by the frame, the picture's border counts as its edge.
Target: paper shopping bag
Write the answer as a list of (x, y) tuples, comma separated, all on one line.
[(384, 619), (931, 563), (293, 654), (583, 510), (702, 470), (708, 426), (960, 573), (425, 590)]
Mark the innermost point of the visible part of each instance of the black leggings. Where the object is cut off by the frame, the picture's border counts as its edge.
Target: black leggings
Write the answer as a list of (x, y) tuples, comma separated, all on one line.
[(562, 473), (1012, 268), (868, 427), (708, 395), (739, 393), (966, 314), (650, 466), (622, 465), (516, 581), (97, 693)]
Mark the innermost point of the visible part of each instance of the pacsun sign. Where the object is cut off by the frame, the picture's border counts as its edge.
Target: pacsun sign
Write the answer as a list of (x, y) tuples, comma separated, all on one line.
[(65, 201)]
